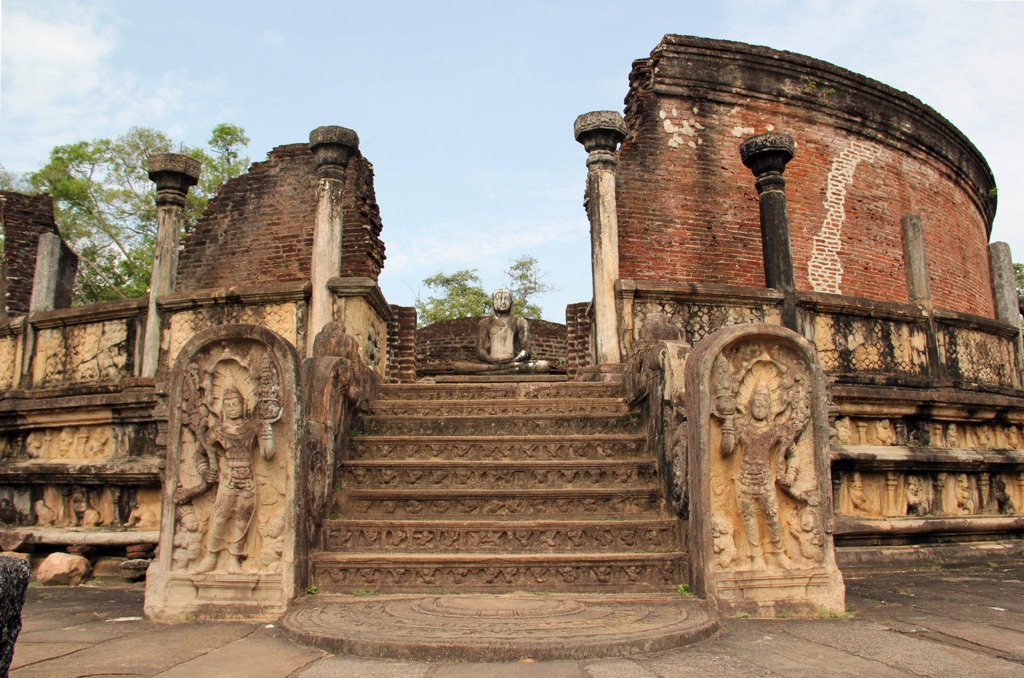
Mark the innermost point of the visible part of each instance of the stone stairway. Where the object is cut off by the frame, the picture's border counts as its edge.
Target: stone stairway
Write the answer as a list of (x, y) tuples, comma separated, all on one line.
[(499, 487)]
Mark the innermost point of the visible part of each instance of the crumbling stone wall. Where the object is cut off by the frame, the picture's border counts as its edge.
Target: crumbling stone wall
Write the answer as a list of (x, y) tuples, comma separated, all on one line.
[(402, 344), (441, 344), (25, 217), (866, 156), (259, 228), (577, 336)]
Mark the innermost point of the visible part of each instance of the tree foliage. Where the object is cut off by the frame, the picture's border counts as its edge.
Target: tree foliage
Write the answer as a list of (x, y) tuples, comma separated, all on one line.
[(461, 294), (1018, 272), (105, 206)]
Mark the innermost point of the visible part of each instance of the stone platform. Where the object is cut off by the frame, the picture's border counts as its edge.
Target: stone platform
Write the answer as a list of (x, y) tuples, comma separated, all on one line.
[(509, 627)]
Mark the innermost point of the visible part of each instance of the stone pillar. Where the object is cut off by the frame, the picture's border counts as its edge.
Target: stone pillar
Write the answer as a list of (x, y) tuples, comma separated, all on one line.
[(173, 175), (913, 259), (1004, 293), (600, 132), (766, 155), (332, 147), (54, 266)]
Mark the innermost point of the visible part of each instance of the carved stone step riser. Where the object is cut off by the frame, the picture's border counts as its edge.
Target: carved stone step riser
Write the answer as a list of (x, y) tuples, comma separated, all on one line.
[(467, 478), (491, 391), (508, 450), (568, 408), (453, 539), (496, 426), (593, 576), (627, 505)]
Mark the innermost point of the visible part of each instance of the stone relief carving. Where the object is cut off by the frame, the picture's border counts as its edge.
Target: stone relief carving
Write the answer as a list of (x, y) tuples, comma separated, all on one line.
[(8, 370), (279, 318), (81, 353), (229, 479), (976, 356), (763, 404), (848, 343), (73, 442)]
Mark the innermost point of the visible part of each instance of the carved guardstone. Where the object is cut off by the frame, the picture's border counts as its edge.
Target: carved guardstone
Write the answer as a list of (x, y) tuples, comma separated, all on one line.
[(760, 486), (229, 510)]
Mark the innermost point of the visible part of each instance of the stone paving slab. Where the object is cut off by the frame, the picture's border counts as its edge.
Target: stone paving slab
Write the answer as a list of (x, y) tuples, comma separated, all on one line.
[(939, 626)]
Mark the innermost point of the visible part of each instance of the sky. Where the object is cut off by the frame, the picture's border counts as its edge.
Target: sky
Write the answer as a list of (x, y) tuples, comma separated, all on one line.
[(466, 109)]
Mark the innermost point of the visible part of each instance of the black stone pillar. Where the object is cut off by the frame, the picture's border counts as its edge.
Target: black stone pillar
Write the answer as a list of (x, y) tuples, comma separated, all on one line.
[(766, 155)]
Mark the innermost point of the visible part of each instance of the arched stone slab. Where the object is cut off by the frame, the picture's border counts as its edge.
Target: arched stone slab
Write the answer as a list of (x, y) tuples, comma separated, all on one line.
[(761, 497), (230, 518)]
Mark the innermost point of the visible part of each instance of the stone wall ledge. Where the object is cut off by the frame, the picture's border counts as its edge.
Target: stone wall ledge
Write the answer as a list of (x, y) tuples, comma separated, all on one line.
[(133, 471), (657, 289), (930, 459), (10, 327), (12, 538), (850, 527), (937, 403), (979, 323), (929, 555), (366, 288), (859, 306), (249, 294), (135, 402), (926, 382), (728, 72), (93, 313)]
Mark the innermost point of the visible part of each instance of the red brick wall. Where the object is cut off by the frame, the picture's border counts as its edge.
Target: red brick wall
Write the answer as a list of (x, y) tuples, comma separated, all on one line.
[(688, 207), (25, 217), (259, 228), (441, 344), (402, 344), (577, 337)]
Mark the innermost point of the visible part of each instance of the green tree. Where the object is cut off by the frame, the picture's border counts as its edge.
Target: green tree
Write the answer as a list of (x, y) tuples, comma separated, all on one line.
[(461, 294), (105, 208)]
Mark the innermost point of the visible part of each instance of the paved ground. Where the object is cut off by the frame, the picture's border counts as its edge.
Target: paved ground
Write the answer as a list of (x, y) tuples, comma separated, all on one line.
[(935, 622)]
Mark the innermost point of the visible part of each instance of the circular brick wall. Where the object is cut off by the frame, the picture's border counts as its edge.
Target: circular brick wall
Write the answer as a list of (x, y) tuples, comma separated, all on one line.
[(866, 156)]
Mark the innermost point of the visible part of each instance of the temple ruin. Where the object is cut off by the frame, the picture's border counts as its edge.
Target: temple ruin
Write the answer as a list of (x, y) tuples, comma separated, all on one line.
[(802, 354)]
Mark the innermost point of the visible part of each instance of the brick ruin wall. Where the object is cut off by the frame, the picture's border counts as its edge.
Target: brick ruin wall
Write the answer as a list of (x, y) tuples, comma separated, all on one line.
[(259, 228), (866, 156), (25, 218), (441, 344), (577, 336), (401, 366)]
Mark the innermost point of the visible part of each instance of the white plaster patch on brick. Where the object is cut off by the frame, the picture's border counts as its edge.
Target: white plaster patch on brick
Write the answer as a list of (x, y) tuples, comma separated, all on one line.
[(824, 269), (678, 129), (770, 128), (738, 131)]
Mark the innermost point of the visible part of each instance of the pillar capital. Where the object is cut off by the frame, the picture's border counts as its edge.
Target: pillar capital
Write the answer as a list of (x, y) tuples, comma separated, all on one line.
[(600, 132), (767, 155), (332, 146), (173, 174)]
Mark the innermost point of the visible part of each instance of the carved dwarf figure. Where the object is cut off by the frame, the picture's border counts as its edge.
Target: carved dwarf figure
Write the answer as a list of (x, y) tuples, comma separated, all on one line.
[(917, 498), (808, 535), (859, 499), (188, 542), (723, 543), (228, 463), (964, 495), (502, 343), (269, 557), (84, 513), (45, 516)]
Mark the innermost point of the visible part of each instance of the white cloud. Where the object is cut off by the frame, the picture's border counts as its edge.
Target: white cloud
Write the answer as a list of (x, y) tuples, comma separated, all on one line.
[(63, 80)]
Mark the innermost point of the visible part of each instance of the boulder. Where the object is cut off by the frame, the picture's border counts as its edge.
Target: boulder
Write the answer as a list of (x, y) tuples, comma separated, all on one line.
[(63, 569)]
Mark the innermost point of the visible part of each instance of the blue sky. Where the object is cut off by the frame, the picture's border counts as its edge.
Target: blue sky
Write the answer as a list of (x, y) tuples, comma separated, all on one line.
[(466, 109)]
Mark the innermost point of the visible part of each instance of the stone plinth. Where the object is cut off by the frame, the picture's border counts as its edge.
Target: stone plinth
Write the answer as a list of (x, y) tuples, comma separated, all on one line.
[(760, 488)]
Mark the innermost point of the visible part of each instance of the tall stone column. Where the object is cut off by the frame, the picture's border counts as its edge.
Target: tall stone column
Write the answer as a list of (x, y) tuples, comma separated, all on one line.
[(600, 132), (766, 155), (1004, 292), (914, 260), (332, 147), (173, 175)]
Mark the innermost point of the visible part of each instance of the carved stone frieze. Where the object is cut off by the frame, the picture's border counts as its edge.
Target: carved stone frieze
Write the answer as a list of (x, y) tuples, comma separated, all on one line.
[(848, 343), (522, 503), (917, 433), (183, 325), (8, 358), (610, 447), (923, 494), (76, 443), (87, 353), (229, 506), (482, 475), (419, 537), (761, 504), (520, 426), (566, 575), (697, 320), (492, 408), (977, 356)]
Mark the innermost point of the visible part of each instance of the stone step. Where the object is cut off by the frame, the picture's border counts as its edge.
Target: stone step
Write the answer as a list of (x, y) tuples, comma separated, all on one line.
[(499, 407), (488, 391), (569, 447), (605, 504), (400, 572), (535, 425), (482, 475), (657, 535)]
